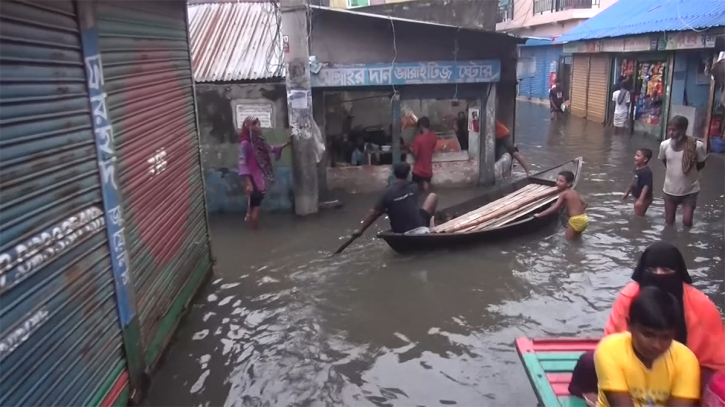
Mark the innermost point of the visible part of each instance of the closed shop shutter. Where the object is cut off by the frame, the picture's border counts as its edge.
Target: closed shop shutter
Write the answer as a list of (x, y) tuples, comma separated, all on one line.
[(60, 337), (580, 75), (597, 94), (148, 81)]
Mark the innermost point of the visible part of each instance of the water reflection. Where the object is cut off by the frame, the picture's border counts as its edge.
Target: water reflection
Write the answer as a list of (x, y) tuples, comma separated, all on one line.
[(285, 324)]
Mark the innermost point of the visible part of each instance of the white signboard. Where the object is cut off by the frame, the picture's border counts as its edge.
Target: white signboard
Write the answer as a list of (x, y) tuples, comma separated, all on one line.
[(261, 111)]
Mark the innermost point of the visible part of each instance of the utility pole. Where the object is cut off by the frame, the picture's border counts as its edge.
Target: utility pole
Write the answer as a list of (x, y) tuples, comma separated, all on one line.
[(299, 104)]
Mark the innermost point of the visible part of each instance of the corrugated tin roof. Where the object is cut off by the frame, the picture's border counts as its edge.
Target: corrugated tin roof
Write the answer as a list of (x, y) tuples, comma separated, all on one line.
[(407, 20), (631, 17), (235, 41)]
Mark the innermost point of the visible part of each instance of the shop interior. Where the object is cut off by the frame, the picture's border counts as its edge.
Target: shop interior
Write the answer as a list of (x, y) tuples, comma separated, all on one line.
[(359, 126), (649, 98)]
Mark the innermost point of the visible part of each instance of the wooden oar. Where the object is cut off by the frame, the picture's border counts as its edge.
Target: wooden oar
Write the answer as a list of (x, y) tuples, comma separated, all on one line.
[(344, 245)]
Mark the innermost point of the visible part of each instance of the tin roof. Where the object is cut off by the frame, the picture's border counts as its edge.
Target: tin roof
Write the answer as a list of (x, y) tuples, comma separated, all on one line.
[(235, 41), (632, 17)]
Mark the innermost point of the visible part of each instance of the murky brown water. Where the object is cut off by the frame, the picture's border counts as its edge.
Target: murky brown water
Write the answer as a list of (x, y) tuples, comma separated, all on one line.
[(283, 324)]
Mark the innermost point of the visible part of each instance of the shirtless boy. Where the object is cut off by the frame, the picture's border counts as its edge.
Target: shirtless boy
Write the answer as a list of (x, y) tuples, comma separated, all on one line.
[(574, 204)]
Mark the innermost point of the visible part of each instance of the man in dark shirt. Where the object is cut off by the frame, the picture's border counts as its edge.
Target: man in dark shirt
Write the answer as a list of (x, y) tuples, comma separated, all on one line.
[(400, 202), (556, 100), (641, 185)]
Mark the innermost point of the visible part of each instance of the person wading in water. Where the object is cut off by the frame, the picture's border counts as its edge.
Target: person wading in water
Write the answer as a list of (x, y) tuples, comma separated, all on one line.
[(683, 158), (255, 166)]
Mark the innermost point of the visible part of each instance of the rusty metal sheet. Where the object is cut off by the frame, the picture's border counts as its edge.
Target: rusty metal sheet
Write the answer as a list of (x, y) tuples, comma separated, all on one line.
[(60, 337), (235, 41), (150, 99)]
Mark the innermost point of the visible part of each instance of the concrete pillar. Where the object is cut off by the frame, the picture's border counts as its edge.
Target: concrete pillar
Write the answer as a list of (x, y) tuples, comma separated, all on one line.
[(487, 158), (299, 104), (397, 129)]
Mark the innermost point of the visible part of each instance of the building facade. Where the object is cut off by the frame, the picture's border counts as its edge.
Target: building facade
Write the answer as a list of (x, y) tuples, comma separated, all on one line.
[(104, 237), (663, 55), (238, 72)]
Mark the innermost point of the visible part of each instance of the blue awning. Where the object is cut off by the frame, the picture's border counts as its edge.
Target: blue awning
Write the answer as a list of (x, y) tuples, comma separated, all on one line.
[(632, 17)]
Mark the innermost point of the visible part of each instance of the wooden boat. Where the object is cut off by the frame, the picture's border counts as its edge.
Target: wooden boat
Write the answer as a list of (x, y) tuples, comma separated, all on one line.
[(515, 222), (549, 364)]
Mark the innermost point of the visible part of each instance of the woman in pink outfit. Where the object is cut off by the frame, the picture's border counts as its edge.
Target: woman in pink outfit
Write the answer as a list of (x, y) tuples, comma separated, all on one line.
[(255, 166)]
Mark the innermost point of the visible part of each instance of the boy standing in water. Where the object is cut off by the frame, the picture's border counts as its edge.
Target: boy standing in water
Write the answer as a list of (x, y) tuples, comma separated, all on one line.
[(574, 204), (683, 158), (641, 185)]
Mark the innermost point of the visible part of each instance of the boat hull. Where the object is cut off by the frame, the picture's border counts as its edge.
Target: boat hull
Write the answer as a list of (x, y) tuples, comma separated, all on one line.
[(525, 224)]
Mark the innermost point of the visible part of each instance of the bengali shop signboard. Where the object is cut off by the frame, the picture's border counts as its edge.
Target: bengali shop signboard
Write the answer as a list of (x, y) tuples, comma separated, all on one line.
[(411, 73), (686, 40), (643, 43)]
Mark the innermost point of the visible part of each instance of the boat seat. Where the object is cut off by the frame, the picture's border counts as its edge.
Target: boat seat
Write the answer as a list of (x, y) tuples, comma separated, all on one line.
[(549, 364)]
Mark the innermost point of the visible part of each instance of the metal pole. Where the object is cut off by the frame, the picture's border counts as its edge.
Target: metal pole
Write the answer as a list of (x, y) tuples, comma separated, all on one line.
[(299, 104)]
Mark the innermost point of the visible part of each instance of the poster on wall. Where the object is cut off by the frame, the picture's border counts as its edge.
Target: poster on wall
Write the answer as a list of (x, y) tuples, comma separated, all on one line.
[(261, 111), (474, 119)]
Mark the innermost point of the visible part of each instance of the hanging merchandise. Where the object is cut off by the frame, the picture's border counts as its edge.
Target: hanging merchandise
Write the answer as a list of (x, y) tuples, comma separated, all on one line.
[(650, 92)]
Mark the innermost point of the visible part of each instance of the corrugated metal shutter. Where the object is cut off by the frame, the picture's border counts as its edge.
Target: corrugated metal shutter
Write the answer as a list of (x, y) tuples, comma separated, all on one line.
[(597, 95), (60, 339), (551, 58), (580, 77), (525, 86), (148, 79)]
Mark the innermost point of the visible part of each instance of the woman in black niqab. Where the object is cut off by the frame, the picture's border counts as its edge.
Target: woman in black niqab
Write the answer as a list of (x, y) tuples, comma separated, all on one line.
[(663, 266)]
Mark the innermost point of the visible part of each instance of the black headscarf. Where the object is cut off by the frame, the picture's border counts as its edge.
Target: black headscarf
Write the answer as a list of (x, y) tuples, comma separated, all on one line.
[(663, 254)]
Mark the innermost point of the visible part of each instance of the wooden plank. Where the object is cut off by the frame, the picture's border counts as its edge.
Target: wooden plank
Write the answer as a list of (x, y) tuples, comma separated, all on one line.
[(560, 389), (530, 208), (537, 376), (559, 378), (475, 225), (494, 220), (558, 365), (572, 401), (520, 200), (573, 355), (470, 215), (562, 344)]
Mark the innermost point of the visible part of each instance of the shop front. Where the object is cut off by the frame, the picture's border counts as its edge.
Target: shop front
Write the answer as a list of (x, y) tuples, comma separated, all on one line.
[(370, 112), (650, 100), (666, 73)]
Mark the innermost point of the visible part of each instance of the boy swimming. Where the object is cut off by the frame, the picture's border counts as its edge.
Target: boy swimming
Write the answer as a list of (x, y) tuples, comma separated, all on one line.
[(574, 204), (641, 185)]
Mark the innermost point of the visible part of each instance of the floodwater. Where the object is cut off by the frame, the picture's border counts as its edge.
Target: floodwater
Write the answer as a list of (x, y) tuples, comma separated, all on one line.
[(282, 323)]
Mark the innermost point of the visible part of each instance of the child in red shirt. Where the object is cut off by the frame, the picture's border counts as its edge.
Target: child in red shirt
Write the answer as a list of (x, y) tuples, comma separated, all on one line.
[(422, 150)]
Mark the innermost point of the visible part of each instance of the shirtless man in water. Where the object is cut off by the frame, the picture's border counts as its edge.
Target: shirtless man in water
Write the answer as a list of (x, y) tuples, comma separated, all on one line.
[(574, 204)]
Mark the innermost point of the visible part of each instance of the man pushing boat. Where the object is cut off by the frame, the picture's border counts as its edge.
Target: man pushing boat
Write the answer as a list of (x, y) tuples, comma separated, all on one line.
[(400, 202)]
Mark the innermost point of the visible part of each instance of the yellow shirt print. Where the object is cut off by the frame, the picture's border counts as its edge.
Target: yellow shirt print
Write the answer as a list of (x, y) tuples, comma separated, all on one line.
[(675, 374)]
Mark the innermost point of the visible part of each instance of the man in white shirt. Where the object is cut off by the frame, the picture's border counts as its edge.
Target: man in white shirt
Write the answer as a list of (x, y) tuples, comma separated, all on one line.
[(683, 157)]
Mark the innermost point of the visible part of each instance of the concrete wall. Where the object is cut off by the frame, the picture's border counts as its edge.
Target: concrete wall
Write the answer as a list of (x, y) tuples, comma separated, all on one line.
[(219, 134), (478, 14), (526, 23)]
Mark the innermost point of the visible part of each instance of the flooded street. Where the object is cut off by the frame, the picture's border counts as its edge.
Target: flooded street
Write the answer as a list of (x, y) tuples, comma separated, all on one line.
[(283, 323)]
